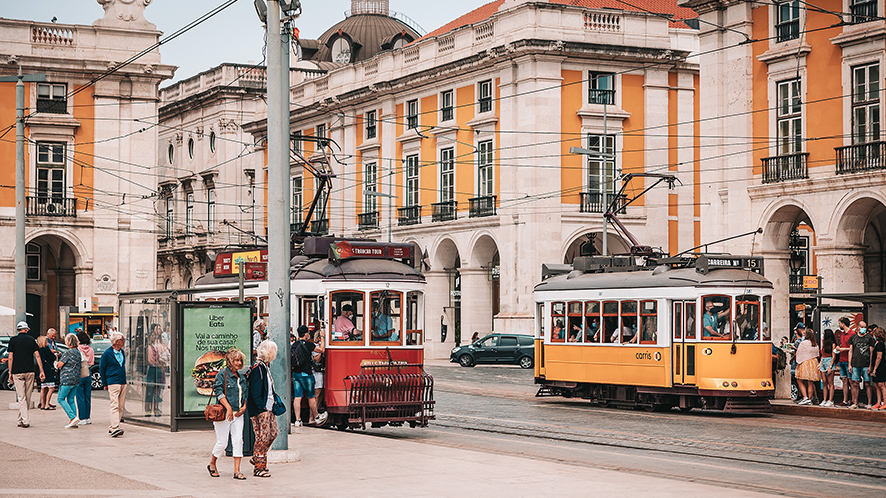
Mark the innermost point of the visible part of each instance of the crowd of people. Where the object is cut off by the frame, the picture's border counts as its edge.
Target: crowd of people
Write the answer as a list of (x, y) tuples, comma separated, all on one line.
[(857, 355)]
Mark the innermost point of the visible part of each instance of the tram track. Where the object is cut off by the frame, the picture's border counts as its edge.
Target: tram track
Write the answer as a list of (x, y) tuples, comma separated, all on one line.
[(796, 459)]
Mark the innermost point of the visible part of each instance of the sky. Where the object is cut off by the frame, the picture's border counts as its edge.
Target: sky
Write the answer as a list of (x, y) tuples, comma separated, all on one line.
[(233, 35)]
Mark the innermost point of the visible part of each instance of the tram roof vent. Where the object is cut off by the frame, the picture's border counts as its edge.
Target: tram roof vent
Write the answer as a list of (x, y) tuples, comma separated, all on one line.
[(593, 264), (552, 270)]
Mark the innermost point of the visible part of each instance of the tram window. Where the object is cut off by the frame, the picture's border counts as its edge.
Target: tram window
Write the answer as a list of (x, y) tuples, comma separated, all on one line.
[(347, 308), (629, 322), (574, 331), (540, 319), (558, 312), (766, 335), (263, 306), (386, 322), (678, 321), (717, 318), (747, 317), (611, 331), (690, 320), (649, 322), (414, 333), (592, 322)]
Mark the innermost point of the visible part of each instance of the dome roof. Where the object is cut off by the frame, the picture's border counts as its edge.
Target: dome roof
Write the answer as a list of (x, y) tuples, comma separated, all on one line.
[(360, 36)]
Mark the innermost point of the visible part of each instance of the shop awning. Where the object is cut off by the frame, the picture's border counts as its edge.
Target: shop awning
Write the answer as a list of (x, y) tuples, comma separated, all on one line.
[(861, 297)]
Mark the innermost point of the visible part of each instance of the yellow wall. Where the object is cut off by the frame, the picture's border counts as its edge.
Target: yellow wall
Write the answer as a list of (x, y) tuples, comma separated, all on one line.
[(84, 176), (632, 158), (570, 125), (427, 157), (464, 155), (760, 31), (824, 81), (7, 144)]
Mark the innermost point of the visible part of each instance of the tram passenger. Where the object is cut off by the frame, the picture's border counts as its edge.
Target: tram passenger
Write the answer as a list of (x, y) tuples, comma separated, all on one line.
[(344, 327), (650, 329), (592, 330), (558, 333), (575, 330), (382, 324), (711, 319)]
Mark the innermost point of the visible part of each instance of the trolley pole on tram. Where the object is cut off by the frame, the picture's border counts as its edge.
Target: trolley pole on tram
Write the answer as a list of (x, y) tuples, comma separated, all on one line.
[(278, 204)]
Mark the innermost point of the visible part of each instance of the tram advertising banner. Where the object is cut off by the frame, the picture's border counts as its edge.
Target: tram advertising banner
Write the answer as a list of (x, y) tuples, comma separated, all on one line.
[(208, 331)]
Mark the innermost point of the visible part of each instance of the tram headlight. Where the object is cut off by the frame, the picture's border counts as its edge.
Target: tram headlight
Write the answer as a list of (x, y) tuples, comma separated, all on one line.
[(725, 383), (734, 384)]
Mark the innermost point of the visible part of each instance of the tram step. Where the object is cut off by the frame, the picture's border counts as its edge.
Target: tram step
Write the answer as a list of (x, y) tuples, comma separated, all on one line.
[(748, 405)]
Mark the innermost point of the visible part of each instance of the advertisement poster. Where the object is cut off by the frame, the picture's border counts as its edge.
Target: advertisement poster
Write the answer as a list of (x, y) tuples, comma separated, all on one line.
[(208, 332)]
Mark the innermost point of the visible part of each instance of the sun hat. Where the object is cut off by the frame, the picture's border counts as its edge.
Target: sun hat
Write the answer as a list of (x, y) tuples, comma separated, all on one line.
[(22, 326)]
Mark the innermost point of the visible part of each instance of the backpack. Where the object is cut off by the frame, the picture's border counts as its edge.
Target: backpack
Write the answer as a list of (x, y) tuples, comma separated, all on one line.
[(298, 356)]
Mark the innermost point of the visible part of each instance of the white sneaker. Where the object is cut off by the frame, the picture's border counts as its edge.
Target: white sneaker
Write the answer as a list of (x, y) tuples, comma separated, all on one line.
[(828, 404), (73, 424), (321, 418), (805, 401), (89, 421), (83, 422), (297, 423)]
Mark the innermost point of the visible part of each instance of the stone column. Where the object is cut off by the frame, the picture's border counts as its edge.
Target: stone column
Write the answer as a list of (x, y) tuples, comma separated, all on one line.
[(436, 299), (476, 303), (778, 270), (841, 268)]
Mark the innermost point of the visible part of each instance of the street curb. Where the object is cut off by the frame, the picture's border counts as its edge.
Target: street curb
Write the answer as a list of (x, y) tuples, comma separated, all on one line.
[(840, 413)]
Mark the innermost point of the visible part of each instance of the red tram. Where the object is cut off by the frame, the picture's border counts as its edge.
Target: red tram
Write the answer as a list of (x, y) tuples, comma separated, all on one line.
[(374, 363)]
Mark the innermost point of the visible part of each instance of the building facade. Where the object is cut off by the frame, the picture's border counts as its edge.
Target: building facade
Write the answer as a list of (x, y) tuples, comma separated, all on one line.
[(90, 221), (792, 105), (460, 143), (210, 175)]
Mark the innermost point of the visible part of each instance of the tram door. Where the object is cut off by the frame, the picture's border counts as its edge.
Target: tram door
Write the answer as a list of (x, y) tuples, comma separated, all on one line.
[(684, 336)]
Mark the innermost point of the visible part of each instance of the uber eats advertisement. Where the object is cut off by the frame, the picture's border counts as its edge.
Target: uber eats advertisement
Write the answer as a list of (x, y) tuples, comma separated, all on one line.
[(208, 333)]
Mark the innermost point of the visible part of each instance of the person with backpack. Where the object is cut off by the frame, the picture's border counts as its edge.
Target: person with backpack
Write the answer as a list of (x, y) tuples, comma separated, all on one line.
[(303, 376)]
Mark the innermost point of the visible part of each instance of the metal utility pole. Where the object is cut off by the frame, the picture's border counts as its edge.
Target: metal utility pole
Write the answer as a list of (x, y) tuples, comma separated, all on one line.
[(20, 269), (278, 208)]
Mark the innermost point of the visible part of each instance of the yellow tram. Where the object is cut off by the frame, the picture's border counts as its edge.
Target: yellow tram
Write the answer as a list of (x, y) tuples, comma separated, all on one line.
[(689, 332)]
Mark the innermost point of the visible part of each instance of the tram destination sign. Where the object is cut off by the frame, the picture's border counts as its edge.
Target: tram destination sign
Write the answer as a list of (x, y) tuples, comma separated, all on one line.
[(345, 249), (228, 263), (706, 263)]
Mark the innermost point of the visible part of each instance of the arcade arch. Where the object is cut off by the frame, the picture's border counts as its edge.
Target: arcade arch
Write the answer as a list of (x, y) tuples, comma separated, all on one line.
[(591, 244), (52, 265)]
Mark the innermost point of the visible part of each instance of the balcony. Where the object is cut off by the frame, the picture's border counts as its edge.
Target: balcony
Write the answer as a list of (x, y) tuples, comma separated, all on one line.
[(368, 221), (597, 202), (784, 168), (482, 206), (598, 96), (409, 215), (52, 106), (861, 157), (57, 207), (444, 211), (789, 30), (320, 227), (863, 11)]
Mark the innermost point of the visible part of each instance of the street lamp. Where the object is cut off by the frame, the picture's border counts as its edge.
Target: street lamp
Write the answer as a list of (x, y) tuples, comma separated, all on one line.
[(797, 260)]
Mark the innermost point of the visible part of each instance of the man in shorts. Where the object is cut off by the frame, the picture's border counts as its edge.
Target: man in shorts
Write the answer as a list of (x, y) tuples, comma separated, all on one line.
[(843, 335), (860, 346), (303, 378)]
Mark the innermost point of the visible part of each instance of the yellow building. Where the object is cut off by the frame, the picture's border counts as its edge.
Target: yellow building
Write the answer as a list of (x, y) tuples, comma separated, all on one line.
[(89, 196)]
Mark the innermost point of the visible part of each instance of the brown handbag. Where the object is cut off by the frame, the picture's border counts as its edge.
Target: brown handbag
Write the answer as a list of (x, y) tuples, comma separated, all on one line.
[(217, 412)]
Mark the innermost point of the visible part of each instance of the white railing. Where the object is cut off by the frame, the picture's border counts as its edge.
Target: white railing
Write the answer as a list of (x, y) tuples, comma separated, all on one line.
[(445, 44), (602, 21), (484, 31), (322, 85), (411, 55), (370, 69), (52, 35), (298, 93)]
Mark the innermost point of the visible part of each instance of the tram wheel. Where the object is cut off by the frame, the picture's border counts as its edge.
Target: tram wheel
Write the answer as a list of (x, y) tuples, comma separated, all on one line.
[(465, 360)]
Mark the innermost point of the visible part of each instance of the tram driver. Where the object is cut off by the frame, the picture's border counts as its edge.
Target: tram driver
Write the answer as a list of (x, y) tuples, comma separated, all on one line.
[(344, 327), (382, 324), (711, 319)]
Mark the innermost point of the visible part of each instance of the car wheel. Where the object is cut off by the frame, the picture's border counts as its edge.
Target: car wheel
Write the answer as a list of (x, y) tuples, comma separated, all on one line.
[(465, 360), (795, 392), (96, 381), (526, 362)]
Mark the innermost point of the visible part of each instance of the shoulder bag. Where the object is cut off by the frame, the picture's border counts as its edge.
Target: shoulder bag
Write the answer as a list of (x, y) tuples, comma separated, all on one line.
[(84, 365), (217, 412)]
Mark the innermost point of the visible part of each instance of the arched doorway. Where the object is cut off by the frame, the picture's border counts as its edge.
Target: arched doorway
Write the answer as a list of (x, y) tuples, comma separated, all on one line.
[(447, 264), (789, 243), (480, 287), (863, 226), (591, 244), (51, 281)]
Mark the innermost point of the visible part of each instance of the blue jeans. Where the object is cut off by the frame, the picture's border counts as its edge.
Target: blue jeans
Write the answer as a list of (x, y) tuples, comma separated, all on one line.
[(84, 398), (67, 398), (303, 385)]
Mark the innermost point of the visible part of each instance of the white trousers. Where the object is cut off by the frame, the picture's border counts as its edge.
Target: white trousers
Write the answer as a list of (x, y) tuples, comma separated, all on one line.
[(234, 428)]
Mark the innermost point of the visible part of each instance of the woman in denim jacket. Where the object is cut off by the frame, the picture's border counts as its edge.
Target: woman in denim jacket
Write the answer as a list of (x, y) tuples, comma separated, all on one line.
[(231, 390)]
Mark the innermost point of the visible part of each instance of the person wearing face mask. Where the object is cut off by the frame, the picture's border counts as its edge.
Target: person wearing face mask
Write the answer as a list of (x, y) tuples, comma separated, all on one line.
[(860, 346)]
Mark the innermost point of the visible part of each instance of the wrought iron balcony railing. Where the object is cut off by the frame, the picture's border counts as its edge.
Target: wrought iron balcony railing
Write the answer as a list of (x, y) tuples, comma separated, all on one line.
[(51, 206), (783, 168), (368, 221), (863, 11), (861, 157), (320, 227), (409, 215), (482, 206), (597, 96), (597, 202), (444, 211), (52, 106), (789, 30), (796, 285)]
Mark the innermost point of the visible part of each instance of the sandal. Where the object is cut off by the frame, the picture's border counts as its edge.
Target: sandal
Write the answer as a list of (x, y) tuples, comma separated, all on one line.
[(252, 461), (51, 407), (238, 476), (261, 473), (212, 472)]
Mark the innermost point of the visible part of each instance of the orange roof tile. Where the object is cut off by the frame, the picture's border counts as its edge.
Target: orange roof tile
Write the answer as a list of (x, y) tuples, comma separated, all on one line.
[(667, 7)]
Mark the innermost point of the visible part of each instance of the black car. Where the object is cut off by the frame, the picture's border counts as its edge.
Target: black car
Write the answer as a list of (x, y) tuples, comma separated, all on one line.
[(496, 348), (100, 346)]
